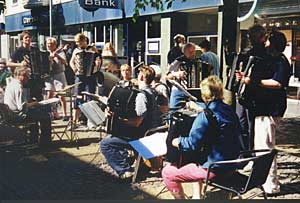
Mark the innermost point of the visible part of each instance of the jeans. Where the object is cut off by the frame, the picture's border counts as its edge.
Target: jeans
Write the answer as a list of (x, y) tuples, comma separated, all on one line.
[(177, 99), (115, 151), (88, 84)]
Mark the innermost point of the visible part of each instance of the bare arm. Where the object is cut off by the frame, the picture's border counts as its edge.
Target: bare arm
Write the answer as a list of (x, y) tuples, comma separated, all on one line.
[(72, 62), (270, 83)]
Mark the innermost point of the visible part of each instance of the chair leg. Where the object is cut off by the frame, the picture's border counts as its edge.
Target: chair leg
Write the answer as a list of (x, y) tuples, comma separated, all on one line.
[(136, 168), (163, 190), (204, 191), (264, 192)]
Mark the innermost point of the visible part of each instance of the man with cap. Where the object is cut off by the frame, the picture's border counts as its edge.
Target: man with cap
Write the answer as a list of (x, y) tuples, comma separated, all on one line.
[(176, 51)]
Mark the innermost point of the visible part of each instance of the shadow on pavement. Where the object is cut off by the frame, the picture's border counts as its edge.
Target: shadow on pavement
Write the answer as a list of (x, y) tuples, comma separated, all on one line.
[(29, 172)]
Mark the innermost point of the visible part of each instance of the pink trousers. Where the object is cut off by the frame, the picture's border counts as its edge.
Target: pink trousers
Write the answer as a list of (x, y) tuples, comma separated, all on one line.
[(173, 176)]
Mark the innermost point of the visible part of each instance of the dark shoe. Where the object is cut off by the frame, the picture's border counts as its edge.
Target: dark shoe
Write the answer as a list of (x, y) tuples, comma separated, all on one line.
[(66, 118)]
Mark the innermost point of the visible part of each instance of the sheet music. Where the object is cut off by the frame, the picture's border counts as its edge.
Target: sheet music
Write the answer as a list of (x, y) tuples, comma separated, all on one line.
[(49, 101), (151, 146), (93, 112)]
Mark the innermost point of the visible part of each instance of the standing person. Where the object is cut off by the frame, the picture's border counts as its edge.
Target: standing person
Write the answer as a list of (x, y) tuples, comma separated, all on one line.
[(21, 57), (115, 147), (83, 72), (223, 142), (28, 110), (69, 73), (271, 102), (58, 80), (17, 58), (176, 50), (209, 57), (245, 112), (110, 59), (177, 72)]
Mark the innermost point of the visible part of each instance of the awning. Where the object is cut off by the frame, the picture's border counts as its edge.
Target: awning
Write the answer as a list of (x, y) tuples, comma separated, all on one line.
[(269, 8)]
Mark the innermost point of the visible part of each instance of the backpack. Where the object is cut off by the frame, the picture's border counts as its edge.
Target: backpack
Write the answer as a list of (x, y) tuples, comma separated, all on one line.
[(162, 100), (153, 106)]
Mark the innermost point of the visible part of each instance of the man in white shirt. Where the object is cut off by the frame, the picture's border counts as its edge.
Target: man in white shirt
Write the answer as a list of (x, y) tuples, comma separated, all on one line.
[(14, 97)]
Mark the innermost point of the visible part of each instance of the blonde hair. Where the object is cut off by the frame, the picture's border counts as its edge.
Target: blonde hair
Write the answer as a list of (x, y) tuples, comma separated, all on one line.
[(108, 47), (80, 37), (52, 40), (125, 66), (211, 89), (21, 71)]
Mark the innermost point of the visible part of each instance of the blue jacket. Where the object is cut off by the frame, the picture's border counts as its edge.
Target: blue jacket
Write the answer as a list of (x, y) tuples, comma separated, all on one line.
[(226, 146)]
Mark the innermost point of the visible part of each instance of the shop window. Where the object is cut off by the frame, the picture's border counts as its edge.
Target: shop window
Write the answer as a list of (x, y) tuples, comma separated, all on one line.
[(154, 27), (99, 33)]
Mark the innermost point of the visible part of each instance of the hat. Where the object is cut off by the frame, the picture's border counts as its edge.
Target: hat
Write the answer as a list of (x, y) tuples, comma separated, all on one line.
[(157, 70)]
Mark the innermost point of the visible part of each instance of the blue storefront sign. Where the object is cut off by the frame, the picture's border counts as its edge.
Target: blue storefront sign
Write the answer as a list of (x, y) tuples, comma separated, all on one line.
[(93, 5), (28, 20)]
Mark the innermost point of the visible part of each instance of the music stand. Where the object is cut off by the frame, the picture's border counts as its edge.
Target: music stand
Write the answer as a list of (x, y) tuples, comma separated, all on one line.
[(92, 111), (67, 92)]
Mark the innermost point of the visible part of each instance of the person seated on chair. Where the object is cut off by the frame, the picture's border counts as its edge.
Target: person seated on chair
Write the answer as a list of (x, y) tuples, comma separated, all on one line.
[(223, 144), (28, 111), (115, 147), (126, 80), (163, 92)]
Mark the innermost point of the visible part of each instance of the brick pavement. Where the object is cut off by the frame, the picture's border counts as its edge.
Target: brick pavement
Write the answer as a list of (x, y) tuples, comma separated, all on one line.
[(78, 171)]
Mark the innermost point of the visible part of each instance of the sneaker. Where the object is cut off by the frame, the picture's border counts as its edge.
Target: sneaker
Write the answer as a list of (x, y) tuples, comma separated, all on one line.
[(273, 192), (127, 175)]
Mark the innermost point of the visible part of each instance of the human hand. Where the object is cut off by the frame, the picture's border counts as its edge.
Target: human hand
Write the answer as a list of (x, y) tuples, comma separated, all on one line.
[(239, 74), (180, 74), (175, 142), (108, 112)]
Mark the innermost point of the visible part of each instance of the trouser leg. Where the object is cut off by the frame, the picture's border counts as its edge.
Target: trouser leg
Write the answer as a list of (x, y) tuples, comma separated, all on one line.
[(265, 127), (115, 151)]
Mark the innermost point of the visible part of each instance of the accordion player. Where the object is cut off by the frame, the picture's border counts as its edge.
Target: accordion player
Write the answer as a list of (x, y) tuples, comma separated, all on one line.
[(84, 60)]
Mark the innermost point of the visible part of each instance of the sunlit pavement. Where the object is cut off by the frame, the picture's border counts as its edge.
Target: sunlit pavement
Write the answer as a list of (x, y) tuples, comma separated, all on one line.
[(77, 170)]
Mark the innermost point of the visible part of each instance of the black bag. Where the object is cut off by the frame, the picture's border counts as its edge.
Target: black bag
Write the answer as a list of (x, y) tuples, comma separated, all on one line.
[(121, 101)]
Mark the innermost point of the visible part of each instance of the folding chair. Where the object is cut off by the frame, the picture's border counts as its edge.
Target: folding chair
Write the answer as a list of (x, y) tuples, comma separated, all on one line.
[(163, 128), (238, 183)]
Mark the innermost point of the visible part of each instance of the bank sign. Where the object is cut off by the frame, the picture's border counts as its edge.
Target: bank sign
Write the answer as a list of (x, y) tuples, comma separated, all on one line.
[(93, 5)]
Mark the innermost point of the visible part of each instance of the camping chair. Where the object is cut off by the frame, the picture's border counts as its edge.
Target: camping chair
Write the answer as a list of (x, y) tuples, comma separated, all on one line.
[(149, 132), (239, 183)]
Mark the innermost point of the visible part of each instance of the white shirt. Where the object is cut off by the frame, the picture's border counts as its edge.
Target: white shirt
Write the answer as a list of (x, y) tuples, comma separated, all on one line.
[(13, 96)]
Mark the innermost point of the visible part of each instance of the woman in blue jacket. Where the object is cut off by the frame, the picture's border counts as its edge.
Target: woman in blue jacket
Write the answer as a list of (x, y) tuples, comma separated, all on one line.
[(225, 144)]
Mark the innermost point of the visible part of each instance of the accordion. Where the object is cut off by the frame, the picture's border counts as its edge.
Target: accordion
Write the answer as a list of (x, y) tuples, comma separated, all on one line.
[(85, 62), (39, 62), (121, 101)]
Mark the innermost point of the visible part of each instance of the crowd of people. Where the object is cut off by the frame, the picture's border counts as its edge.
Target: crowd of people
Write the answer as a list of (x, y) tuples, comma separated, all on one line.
[(257, 113)]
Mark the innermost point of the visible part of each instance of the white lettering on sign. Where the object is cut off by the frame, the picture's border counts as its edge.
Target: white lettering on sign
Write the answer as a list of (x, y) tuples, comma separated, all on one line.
[(108, 3), (28, 20)]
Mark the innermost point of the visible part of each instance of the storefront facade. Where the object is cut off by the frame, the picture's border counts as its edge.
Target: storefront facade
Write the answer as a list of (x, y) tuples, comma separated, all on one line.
[(152, 33)]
